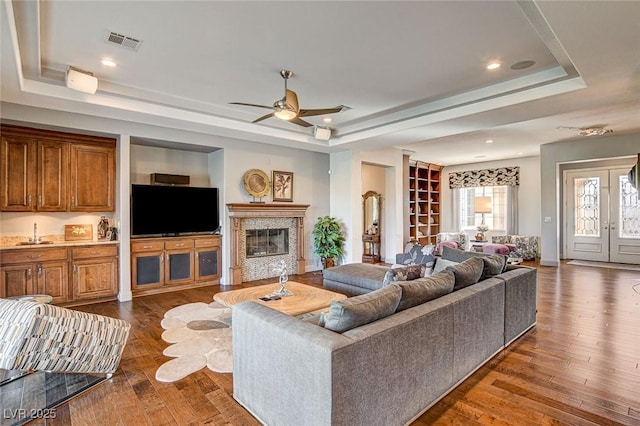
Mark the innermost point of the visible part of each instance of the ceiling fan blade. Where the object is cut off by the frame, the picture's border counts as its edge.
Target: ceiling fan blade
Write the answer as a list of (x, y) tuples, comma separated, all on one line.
[(253, 105), (311, 112), (300, 122), (291, 100), (264, 117)]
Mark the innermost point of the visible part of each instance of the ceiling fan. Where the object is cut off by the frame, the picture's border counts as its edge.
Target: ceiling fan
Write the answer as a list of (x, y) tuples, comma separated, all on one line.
[(588, 131), (287, 108)]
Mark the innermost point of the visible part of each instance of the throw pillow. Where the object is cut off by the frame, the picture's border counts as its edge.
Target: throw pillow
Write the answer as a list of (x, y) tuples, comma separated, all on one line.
[(417, 254), (467, 272), (355, 311), (441, 265), (422, 290), (406, 273), (494, 264)]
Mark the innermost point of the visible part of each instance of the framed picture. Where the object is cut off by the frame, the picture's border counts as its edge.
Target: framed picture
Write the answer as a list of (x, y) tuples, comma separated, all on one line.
[(282, 186)]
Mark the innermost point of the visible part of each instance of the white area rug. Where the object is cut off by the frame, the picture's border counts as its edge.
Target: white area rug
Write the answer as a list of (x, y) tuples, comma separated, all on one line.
[(200, 336), (604, 265)]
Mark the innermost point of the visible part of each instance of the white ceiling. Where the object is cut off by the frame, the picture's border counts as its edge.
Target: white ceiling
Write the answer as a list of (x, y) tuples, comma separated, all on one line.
[(413, 73)]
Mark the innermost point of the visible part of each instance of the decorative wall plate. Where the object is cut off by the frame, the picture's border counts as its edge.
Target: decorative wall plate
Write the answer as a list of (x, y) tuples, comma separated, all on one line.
[(256, 182)]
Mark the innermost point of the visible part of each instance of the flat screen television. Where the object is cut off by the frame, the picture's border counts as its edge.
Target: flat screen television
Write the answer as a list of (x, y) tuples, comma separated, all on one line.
[(173, 210)]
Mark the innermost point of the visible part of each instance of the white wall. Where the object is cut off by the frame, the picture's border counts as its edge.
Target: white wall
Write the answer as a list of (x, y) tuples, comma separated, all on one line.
[(373, 178), (552, 157), (346, 199), (146, 160), (123, 214), (528, 193)]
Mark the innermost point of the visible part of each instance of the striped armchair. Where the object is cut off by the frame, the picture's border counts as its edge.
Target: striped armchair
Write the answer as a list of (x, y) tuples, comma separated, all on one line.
[(35, 336)]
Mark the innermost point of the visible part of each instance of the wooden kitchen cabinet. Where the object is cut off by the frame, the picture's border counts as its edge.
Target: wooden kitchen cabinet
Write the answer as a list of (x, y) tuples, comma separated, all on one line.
[(18, 164), (93, 170), (17, 280), (95, 271), (53, 176), (35, 175), (52, 278), (56, 172), (70, 275), (35, 271)]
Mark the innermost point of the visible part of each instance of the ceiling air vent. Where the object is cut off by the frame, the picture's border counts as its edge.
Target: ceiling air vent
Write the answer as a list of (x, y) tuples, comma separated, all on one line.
[(124, 41)]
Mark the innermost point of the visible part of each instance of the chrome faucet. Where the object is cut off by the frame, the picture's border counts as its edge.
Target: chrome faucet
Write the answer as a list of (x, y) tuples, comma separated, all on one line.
[(35, 239)]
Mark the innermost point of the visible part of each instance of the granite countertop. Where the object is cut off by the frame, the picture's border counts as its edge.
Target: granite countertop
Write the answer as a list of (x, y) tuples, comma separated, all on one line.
[(11, 243)]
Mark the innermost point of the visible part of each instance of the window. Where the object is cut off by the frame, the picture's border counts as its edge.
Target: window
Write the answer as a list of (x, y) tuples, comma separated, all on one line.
[(496, 220)]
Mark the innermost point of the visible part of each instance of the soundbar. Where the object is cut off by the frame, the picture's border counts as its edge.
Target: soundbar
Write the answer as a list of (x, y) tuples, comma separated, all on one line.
[(165, 179)]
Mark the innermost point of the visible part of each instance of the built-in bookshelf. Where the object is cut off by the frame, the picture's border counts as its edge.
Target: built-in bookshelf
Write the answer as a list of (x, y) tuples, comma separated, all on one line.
[(424, 201)]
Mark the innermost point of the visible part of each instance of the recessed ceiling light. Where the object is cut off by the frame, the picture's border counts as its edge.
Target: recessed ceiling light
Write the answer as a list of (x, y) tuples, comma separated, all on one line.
[(489, 141), (108, 62), (521, 153), (327, 119), (494, 66)]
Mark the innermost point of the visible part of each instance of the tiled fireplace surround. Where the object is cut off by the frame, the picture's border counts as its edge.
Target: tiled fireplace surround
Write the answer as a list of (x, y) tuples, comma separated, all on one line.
[(265, 216)]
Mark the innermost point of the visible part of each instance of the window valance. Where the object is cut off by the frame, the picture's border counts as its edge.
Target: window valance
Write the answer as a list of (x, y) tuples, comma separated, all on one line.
[(503, 176)]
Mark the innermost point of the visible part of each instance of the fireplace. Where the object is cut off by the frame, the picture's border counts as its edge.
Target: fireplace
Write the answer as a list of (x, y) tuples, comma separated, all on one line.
[(261, 236), (266, 242)]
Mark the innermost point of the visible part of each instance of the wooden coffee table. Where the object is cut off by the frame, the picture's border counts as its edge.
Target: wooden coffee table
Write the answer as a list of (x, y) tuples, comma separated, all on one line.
[(304, 299)]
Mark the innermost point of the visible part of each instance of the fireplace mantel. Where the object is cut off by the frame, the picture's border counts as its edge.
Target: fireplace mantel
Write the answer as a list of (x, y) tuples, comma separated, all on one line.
[(240, 211), (266, 210)]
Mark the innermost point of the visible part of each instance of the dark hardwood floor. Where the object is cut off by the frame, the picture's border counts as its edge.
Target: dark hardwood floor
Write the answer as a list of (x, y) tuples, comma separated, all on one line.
[(579, 366)]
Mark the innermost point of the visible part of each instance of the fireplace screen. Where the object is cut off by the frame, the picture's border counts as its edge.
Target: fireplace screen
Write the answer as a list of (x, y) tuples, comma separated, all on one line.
[(267, 242)]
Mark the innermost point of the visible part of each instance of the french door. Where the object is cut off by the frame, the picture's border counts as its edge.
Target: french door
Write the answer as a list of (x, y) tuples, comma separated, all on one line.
[(602, 216)]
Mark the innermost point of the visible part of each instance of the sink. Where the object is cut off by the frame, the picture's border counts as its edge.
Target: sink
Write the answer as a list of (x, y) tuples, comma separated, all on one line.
[(34, 243)]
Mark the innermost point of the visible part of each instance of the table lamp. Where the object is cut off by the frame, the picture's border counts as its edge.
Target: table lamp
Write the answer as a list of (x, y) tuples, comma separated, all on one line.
[(482, 205)]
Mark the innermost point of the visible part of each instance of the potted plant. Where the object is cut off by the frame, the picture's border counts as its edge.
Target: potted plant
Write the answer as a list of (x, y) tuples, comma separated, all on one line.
[(328, 240)]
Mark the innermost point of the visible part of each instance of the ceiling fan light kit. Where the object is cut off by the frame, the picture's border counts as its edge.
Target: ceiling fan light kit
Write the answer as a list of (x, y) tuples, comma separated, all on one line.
[(285, 114)]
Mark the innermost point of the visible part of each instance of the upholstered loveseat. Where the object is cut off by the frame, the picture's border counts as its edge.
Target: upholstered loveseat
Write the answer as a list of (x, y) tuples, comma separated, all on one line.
[(523, 246), (386, 372), (456, 240)]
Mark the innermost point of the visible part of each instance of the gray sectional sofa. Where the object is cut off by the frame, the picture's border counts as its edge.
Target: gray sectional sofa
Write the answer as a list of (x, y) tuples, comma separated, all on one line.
[(387, 372)]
